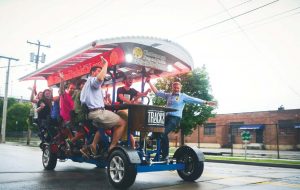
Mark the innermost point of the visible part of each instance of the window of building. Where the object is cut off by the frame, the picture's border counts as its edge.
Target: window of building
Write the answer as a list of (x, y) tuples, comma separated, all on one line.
[(286, 127), (210, 129), (235, 126)]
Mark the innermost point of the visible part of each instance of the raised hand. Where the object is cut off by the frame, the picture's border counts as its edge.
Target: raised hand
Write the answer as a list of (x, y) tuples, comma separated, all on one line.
[(61, 75)]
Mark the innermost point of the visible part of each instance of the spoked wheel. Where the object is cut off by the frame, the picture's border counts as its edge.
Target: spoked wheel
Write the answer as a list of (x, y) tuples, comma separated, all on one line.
[(121, 173), (193, 168), (49, 159)]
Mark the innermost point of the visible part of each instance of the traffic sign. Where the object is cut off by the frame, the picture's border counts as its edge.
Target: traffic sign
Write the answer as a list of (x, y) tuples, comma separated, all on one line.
[(246, 136)]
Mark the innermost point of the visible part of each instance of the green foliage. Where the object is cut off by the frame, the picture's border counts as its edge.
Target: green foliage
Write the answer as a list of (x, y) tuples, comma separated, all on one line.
[(196, 84), (17, 116), (10, 102)]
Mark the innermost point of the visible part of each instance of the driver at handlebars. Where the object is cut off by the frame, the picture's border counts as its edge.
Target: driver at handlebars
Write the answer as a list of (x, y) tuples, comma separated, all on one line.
[(128, 95), (92, 96)]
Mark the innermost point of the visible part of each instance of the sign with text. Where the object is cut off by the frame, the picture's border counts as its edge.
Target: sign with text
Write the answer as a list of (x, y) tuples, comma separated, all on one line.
[(155, 118), (149, 57)]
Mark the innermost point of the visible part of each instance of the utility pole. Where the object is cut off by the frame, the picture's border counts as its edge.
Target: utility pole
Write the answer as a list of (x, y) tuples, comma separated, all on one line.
[(36, 58), (3, 127)]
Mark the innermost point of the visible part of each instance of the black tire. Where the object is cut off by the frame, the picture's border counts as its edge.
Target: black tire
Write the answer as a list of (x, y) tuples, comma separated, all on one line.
[(121, 173), (193, 167), (49, 159)]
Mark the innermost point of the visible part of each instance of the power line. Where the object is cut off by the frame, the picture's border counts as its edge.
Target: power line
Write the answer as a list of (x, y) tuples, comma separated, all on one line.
[(258, 50), (16, 65), (225, 20), (263, 19), (76, 19), (221, 12), (273, 16), (110, 22)]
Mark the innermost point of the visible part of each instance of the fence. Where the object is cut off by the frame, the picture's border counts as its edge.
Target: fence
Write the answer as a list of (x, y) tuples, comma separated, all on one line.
[(267, 140)]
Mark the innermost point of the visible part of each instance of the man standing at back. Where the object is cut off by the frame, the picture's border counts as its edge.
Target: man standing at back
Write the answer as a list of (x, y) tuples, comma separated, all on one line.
[(176, 99), (92, 96)]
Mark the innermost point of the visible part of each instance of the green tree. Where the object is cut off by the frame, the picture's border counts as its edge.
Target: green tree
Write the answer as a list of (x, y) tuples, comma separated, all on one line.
[(10, 102), (17, 116), (194, 83)]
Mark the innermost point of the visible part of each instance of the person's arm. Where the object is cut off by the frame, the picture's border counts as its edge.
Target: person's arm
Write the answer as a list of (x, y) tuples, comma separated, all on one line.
[(211, 103), (120, 92), (107, 99), (121, 96), (140, 94), (40, 107), (103, 71), (193, 100), (153, 88), (33, 93), (62, 84)]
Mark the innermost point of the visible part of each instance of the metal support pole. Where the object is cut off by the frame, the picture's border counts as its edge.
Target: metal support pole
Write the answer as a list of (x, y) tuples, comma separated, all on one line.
[(231, 139), (277, 141), (4, 114), (198, 136)]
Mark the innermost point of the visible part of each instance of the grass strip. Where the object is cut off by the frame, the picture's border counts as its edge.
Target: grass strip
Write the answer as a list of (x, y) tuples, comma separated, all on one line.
[(254, 160)]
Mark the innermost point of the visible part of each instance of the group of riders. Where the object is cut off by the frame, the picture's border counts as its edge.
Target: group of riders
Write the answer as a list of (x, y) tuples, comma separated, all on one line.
[(79, 111)]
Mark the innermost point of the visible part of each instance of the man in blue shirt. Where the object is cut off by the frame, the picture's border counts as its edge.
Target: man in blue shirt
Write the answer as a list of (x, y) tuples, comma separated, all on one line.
[(176, 100), (92, 96)]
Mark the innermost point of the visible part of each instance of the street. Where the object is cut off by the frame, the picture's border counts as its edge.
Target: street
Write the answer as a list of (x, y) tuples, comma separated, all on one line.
[(21, 168)]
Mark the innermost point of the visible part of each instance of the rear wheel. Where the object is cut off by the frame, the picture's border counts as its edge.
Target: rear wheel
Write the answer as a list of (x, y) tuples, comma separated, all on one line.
[(49, 159), (121, 173), (193, 167)]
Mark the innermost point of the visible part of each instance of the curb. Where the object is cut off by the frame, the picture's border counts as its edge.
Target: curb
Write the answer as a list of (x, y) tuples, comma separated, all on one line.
[(255, 164)]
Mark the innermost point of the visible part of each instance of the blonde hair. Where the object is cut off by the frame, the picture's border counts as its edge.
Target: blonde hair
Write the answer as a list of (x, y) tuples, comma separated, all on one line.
[(176, 83)]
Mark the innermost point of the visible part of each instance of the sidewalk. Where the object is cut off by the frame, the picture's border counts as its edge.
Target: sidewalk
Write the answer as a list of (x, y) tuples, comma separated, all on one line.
[(283, 154)]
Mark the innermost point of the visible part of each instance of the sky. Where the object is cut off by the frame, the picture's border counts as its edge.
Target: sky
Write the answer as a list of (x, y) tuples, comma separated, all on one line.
[(250, 48)]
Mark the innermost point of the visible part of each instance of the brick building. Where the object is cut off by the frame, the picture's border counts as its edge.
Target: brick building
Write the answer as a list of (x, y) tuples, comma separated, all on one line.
[(267, 129)]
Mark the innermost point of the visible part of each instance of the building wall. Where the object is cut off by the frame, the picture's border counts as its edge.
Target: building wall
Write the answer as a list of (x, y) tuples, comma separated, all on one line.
[(268, 118)]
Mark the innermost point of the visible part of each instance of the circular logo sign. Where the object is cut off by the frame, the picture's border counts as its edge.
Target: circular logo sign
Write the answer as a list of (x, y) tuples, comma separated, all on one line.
[(138, 52)]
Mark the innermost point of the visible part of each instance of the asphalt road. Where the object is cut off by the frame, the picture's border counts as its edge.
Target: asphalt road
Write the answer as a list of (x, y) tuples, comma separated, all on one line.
[(21, 168)]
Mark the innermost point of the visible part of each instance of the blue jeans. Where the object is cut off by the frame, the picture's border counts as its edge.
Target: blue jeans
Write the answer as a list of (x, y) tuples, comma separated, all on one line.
[(171, 123)]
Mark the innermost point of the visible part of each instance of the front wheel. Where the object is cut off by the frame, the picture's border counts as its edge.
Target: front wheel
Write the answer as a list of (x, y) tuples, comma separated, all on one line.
[(121, 173), (49, 159), (193, 167)]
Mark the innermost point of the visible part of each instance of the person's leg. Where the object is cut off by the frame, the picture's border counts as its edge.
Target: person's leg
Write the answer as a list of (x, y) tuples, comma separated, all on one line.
[(117, 134), (165, 139), (171, 123), (92, 148), (96, 140), (109, 119)]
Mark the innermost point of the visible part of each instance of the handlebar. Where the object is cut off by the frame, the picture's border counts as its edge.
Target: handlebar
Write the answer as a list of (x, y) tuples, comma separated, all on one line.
[(147, 99)]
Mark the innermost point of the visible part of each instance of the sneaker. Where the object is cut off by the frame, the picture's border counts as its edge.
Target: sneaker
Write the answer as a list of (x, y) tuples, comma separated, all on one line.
[(87, 151)]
